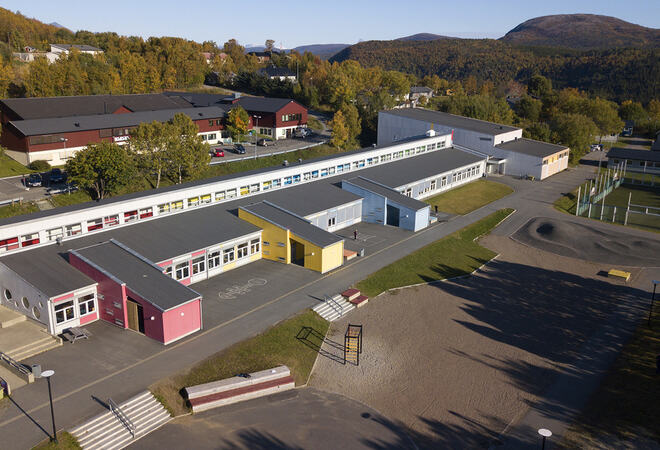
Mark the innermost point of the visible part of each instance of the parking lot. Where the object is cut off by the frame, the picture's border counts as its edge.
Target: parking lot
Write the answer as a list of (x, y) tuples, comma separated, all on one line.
[(282, 145), (18, 188)]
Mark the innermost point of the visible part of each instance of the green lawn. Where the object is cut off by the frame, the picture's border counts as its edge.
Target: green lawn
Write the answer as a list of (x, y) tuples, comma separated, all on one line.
[(17, 210), (471, 196), (9, 167), (274, 347), (314, 124), (567, 202), (73, 198), (452, 256), (66, 441), (626, 402)]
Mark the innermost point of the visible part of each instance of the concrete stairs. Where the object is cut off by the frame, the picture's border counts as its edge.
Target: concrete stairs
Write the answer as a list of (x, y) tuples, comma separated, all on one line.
[(107, 432), (21, 338), (9, 317), (38, 345), (331, 314)]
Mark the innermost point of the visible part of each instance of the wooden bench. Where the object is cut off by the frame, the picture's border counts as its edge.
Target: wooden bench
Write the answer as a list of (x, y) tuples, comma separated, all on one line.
[(351, 294), (615, 273), (76, 333), (239, 388), (360, 300)]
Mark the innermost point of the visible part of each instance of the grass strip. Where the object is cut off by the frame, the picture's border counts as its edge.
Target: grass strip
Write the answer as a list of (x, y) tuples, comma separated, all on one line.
[(452, 256), (17, 209), (66, 441), (471, 196), (276, 346)]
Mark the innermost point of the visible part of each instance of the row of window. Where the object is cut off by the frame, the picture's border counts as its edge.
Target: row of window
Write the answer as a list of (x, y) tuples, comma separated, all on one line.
[(214, 136), (291, 117), (65, 311), (629, 163), (555, 158), (177, 205), (213, 259)]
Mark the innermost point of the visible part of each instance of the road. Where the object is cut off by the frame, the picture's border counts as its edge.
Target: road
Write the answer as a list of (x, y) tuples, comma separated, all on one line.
[(120, 379)]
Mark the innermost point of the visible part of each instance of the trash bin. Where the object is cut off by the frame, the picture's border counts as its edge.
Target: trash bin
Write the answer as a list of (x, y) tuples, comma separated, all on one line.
[(36, 370), (361, 252)]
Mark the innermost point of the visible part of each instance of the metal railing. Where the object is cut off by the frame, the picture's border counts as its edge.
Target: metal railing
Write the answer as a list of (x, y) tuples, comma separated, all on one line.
[(11, 201), (15, 364), (121, 415), (334, 304)]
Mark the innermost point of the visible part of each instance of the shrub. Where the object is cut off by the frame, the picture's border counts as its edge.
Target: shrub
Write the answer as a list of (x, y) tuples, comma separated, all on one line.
[(39, 165)]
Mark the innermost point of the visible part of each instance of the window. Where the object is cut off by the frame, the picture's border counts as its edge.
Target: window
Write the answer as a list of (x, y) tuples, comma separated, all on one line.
[(331, 170), (254, 246), (332, 221), (324, 172), (86, 304), (242, 250), (291, 117), (231, 193), (26, 303), (296, 179), (64, 311), (164, 208), (228, 255), (315, 174), (276, 183), (130, 216), (266, 243), (7, 294), (287, 181), (52, 234), (95, 224), (198, 265), (203, 137), (177, 205), (105, 133), (211, 122), (193, 201), (433, 185), (211, 137), (218, 122), (219, 196), (111, 221), (245, 190), (340, 169), (205, 198), (29, 239), (267, 185), (254, 188), (45, 139), (72, 230), (146, 212), (214, 259), (122, 131), (168, 271), (182, 270), (307, 176), (9, 244)]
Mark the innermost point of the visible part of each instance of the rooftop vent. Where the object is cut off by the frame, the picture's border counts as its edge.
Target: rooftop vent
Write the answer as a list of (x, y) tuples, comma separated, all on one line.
[(285, 163), (430, 133), (77, 124)]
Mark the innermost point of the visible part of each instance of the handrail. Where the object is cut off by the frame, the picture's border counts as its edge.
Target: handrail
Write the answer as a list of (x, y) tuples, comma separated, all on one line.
[(123, 418), (334, 304), (15, 364), (11, 201)]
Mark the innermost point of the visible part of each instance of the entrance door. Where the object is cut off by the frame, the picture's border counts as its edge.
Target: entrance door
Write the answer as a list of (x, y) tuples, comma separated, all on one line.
[(393, 215), (297, 253), (135, 314)]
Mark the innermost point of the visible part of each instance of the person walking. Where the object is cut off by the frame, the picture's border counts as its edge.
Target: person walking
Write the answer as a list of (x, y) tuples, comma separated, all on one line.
[(355, 235)]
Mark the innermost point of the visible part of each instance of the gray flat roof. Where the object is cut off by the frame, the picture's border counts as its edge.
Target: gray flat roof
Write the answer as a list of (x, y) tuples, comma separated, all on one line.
[(295, 224), (532, 147), (451, 120), (140, 276), (310, 198), (388, 193), (629, 153), (36, 127), (47, 271)]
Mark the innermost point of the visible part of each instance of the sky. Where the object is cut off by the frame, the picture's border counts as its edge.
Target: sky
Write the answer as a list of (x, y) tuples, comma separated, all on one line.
[(292, 24)]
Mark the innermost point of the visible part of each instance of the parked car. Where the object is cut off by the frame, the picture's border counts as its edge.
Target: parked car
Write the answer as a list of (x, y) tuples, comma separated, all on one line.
[(264, 142), (596, 147), (302, 132), (238, 148), (218, 152), (56, 176), (33, 180)]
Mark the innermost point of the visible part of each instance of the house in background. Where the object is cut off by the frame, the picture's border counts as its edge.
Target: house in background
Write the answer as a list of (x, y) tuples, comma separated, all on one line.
[(82, 48), (278, 73), (417, 92)]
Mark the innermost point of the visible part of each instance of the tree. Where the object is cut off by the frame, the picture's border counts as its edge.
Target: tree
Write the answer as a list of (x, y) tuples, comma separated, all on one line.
[(529, 108), (340, 131), (353, 123), (238, 121), (148, 144), (187, 154), (629, 110), (654, 109), (539, 86), (575, 131), (101, 168), (269, 45), (605, 116)]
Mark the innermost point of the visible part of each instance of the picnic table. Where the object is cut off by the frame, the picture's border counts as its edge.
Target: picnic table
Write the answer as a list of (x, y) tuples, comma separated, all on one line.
[(76, 333)]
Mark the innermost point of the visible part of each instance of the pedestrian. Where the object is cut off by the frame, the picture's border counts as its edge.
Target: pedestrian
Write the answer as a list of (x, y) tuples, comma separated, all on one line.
[(436, 209), (355, 235)]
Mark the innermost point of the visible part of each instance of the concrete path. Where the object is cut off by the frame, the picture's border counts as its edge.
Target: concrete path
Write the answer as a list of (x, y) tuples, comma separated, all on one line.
[(119, 376)]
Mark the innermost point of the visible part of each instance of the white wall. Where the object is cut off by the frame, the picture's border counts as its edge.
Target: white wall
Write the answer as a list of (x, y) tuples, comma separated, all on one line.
[(20, 288)]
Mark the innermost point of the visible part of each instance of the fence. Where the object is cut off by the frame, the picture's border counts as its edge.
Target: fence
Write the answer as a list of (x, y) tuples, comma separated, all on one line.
[(263, 155)]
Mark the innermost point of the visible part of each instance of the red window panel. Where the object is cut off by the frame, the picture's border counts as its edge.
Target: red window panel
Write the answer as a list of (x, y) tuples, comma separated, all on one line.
[(145, 214), (111, 221), (30, 242), (130, 215), (9, 244), (97, 226)]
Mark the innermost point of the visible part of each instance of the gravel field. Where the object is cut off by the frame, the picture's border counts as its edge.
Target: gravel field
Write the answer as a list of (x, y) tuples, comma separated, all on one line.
[(457, 362)]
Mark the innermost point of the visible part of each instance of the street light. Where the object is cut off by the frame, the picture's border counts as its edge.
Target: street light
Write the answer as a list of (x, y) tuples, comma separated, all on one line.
[(546, 434), (256, 135), (47, 374)]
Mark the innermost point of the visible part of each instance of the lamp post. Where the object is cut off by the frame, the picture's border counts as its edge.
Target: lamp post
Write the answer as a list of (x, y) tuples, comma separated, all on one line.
[(655, 284), (546, 434), (47, 374), (256, 134)]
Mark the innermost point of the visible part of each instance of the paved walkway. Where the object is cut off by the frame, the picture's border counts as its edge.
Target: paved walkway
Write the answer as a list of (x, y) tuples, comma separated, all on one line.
[(114, 375)]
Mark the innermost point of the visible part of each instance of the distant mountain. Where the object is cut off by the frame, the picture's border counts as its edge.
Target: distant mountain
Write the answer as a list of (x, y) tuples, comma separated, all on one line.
[(582, 31), (324, 51), (422, 37), (55, 24)]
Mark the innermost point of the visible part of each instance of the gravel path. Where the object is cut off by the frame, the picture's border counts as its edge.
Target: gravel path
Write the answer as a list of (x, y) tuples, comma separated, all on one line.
[(458, 362)]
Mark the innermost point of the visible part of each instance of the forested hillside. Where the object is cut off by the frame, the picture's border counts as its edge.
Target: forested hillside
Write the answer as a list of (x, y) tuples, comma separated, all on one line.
[(617, 74)]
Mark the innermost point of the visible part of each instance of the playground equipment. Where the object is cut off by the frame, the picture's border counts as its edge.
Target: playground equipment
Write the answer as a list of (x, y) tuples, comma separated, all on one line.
[(353, 344)]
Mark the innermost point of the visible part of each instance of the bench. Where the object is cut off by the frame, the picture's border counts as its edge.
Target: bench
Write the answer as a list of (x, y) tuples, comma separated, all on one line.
[(239, 388), (76, 333), (615, 273), (360, 301), (351, 294)]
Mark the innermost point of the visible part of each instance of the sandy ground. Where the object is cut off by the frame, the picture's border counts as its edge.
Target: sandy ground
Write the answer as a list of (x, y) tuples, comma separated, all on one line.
[(458, 361)]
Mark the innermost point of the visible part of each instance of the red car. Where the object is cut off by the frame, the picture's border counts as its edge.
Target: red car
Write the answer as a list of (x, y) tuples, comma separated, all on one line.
[(218, 152)]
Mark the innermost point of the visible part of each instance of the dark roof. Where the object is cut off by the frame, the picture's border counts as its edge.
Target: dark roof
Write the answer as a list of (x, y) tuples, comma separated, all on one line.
[(277, 72), (420, 89), (310, 198), (451, 120), (198, 99), (388, 193), (81, 47), (263, 104), (140, 276), (532, 147), (629, 153), (423, 166), (84, 105), (36, 127), (260, 104), (297, 225), (50, 273)]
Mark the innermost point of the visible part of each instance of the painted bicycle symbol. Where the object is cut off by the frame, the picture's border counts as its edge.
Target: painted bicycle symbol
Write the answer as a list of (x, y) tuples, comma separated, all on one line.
[(238, 290)]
